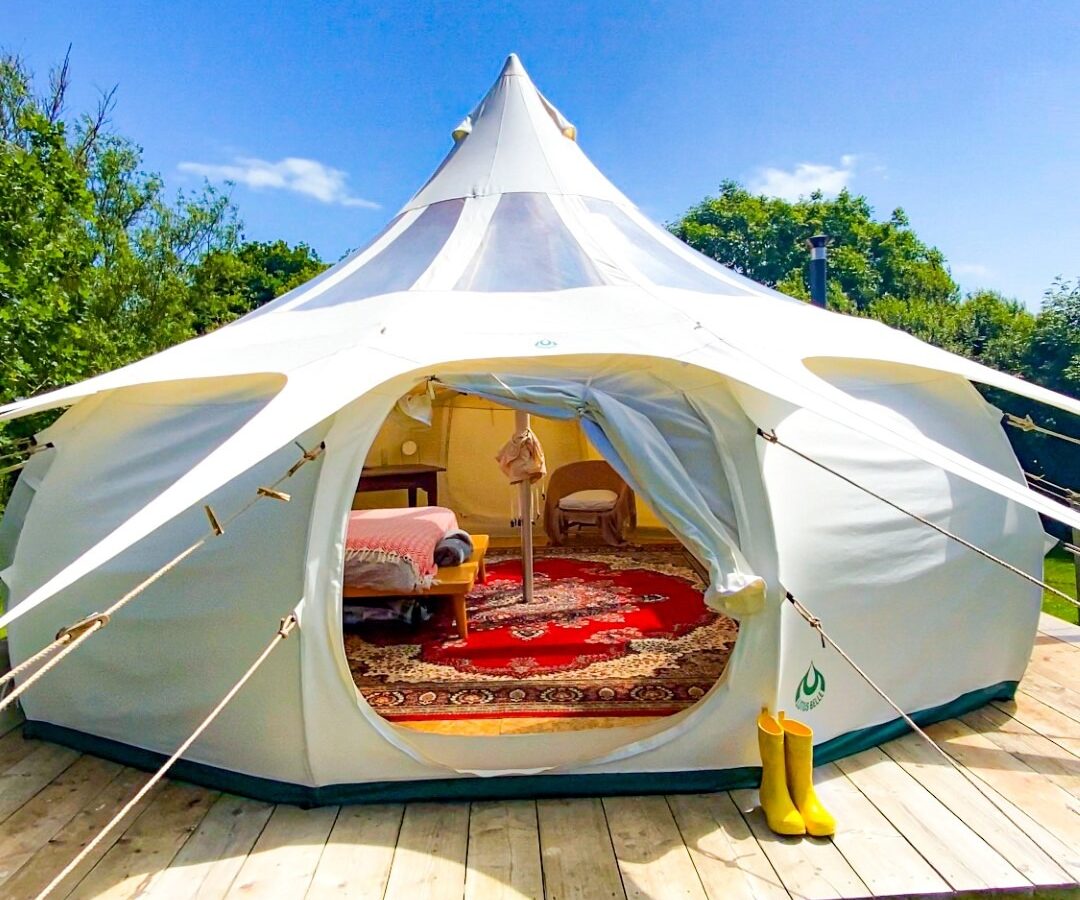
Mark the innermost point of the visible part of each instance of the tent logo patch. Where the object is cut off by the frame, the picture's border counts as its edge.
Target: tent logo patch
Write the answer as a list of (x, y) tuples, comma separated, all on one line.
[(811, 690)]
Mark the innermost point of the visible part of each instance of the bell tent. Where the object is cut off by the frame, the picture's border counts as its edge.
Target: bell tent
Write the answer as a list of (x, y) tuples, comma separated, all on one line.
[(752, 425)]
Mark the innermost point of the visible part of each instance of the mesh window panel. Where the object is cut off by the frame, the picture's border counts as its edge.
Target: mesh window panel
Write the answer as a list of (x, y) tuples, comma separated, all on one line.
[(661, 265), (399, 264), (528, 248)]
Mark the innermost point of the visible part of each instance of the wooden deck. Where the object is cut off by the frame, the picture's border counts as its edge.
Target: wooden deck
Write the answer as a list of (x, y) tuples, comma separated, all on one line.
[(909, 825)]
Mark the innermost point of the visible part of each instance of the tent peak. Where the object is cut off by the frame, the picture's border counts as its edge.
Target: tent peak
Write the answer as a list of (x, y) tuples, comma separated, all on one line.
[(513, 66), (515, 140)]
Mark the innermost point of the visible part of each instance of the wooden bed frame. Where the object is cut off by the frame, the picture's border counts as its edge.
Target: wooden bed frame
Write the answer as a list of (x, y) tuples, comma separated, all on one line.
[(450, 581)]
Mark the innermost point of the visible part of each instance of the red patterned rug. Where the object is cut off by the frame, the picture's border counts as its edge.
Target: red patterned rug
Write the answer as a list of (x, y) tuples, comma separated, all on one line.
[(608, 633)]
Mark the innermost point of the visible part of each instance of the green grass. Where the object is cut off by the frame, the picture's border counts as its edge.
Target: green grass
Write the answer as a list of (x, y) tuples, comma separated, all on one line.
[(1061, 574)]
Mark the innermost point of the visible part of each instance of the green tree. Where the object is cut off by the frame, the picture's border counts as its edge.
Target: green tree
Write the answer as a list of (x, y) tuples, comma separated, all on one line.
[(98, 266), (230, 283), (1052, 359), (881, 269), (764, 238), (984, 326)]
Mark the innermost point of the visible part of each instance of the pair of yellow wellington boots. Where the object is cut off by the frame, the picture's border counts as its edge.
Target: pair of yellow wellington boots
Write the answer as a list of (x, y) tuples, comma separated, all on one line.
[(787, 783)]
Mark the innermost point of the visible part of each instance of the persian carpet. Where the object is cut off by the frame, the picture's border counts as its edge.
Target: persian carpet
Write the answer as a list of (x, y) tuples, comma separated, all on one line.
[(608, 633)]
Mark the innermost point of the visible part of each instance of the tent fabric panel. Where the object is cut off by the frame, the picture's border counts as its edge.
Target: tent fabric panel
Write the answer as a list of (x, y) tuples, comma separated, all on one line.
[(779, 380), (515, 145), (400, 263), (323, 280), (537, 786), (404, 790), (656, 261), (527, 248), (168, 656), (308, 397), (891, 591)]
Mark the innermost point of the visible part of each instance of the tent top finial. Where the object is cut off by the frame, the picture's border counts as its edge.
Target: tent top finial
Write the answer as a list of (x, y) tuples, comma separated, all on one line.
[(513, 66)]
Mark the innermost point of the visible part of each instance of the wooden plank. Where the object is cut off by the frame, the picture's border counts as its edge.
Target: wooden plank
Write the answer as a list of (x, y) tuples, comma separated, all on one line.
[(26, 831), (1046, 720), (148, 845), (1065, 700), (1038, 752), (13, 747), (430, 856), (960, 856), (1059, 628), (283, 860), (504, 852), (652, 857), (21, 781), (1056, 660), (1032, 850), (39, 870), (729, 862), (356, 860), (1051, 806), (879, 854), (210, 860), (578, 860), (810, 868)]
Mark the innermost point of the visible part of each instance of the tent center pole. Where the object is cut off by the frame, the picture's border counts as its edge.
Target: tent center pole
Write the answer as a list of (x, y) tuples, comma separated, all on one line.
[(521, 423)]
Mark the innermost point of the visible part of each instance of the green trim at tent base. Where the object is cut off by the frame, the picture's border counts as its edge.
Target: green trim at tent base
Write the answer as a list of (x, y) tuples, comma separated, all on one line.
[(509, 786)]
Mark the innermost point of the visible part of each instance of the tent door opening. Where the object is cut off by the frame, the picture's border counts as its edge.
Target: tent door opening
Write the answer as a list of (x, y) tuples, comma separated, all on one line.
[(615, 631)]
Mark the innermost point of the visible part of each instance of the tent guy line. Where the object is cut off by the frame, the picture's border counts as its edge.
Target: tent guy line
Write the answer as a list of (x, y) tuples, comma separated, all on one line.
[(771, 437), (1026, 423), (72, 636), (285, 628), (826, 639)]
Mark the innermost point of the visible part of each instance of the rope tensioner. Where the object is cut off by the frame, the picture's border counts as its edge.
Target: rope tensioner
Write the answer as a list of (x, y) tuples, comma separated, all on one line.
[(771, 437), (285, 628), (93, 621), (26, 452), (72, 636), (1026, 423)]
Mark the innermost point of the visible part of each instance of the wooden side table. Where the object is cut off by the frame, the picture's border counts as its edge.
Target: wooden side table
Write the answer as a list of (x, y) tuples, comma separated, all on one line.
[(408, 477)]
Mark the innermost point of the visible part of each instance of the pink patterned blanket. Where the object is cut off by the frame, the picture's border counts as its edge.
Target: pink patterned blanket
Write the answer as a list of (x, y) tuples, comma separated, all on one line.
[(399, 537)]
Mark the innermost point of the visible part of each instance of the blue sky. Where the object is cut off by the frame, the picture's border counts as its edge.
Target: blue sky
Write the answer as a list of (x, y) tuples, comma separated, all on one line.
[(331, 114)]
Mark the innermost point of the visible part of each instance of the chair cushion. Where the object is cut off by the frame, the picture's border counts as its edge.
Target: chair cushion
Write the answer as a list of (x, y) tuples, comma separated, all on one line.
[(589, 501)]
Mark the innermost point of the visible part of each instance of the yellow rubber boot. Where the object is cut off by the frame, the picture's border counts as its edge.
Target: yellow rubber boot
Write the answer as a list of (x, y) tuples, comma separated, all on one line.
[(799, 756), (780, 811)]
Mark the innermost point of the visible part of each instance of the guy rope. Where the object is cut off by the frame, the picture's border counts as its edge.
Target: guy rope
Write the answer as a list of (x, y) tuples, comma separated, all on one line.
[(25, 450), (1002, 805), (72, 636), (284, 630), (1026, 423), (771, 437)]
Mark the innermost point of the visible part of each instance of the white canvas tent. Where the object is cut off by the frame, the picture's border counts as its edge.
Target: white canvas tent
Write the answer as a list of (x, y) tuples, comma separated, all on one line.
[(518, 273)]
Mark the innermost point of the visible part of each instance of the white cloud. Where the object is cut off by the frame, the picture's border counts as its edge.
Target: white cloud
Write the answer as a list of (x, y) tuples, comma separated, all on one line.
[(302, 176), (804, 179), (971, 270)]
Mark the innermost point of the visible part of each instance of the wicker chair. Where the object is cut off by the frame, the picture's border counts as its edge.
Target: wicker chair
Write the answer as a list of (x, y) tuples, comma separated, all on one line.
[(564, 512)]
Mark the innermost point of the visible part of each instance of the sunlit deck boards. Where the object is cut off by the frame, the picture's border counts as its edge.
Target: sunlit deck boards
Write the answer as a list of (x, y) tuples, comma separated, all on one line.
[(910, 825)]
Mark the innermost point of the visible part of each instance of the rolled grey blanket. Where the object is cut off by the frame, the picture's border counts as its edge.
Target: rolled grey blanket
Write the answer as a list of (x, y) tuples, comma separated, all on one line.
[(454, 548)]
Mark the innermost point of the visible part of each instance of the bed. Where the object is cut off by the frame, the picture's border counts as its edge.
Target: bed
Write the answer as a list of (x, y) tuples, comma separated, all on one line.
[(392, 551)]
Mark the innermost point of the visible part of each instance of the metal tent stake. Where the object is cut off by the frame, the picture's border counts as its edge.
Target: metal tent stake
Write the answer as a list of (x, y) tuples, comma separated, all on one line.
[(521, 423)]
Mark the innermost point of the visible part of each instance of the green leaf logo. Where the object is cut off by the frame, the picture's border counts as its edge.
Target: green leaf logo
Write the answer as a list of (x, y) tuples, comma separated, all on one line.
[(811, 689)]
